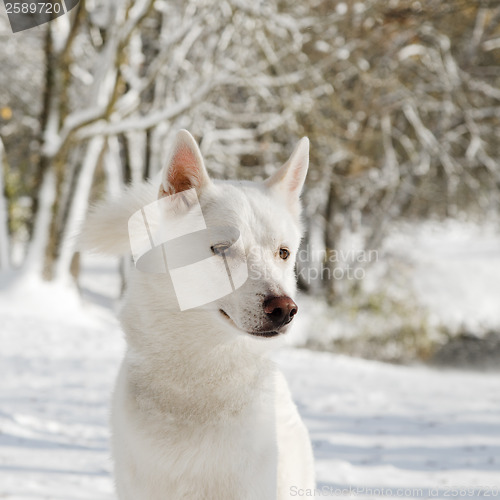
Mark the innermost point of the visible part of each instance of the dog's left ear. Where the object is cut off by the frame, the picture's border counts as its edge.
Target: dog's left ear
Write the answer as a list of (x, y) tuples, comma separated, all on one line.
[(185, 168), (289, 179)]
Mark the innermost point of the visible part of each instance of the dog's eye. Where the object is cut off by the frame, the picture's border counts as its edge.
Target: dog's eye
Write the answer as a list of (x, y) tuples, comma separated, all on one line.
[(284, 253), (219, 248)]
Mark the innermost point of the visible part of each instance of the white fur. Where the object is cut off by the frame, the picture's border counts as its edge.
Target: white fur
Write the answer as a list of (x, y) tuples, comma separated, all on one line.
[(199, 411)]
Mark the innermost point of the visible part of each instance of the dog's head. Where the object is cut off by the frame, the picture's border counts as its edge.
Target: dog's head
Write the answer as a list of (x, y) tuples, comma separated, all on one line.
[(266, 217)]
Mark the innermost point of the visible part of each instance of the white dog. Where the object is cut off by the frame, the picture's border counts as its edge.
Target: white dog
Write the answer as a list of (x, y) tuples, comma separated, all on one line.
[(200, 411)]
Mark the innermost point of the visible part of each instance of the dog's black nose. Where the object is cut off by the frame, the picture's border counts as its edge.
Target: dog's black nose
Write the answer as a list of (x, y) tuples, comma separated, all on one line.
[(280, 310)]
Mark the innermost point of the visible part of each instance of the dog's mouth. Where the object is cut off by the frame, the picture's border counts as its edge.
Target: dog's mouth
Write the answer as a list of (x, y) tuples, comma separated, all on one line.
[(267, 334)]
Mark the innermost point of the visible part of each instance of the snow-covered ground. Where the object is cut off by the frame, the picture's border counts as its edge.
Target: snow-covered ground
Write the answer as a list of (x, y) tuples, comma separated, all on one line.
[(453, 268), (431, 281), (379, 431)]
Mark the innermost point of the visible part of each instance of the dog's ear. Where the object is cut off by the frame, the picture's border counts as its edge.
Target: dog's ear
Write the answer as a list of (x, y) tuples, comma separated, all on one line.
[(185, 168), (289, 179)]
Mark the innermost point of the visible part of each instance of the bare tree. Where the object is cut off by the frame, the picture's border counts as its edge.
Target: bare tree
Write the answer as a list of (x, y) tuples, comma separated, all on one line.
[(411, 124), (121, 77), (400, 101)]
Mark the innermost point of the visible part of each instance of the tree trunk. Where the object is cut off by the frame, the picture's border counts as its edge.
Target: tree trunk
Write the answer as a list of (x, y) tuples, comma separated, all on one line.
[(332, 233), (35, 260), (77, 209), (4, 217)]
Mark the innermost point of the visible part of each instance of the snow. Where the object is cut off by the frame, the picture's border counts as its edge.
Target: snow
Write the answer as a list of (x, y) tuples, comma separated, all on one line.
[(386, 426), (392, 428), (455, 271)]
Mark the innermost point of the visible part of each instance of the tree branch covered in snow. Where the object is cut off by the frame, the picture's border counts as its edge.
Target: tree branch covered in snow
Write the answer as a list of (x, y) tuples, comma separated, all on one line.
[(135, 72)]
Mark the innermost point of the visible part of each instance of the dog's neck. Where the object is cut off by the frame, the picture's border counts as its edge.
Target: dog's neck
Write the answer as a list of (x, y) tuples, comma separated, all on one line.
[(185, 363)]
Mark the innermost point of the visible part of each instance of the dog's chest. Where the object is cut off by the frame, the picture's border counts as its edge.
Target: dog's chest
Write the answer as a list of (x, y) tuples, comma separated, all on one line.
[(220, 458)]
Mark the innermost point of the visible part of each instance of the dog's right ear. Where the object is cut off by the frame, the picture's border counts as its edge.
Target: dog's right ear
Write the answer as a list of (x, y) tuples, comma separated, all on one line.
[(185, 168)]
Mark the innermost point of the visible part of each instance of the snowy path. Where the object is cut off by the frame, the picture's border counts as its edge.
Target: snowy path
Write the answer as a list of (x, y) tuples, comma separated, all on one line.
[(394, 427), (373, 425)]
